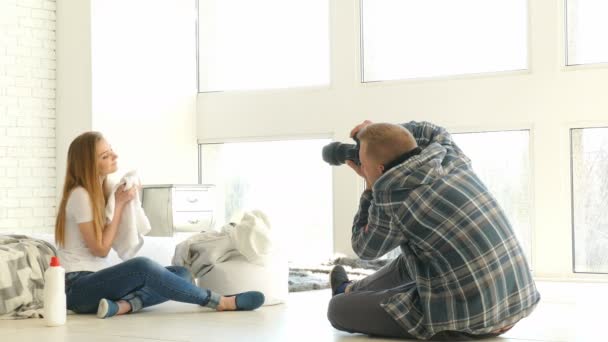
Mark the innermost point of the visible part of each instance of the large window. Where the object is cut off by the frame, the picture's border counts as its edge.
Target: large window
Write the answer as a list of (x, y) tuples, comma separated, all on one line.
[(590, 199), (287, 180), (432, 38), (502, 161), (587, 31), (262, 44)]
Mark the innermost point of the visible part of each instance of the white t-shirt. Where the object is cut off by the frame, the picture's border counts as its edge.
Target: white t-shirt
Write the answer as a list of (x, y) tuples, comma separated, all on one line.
[(75, 255)]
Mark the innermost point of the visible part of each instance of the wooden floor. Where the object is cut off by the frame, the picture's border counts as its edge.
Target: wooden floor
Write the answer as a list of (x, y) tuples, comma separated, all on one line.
[(567, 312)]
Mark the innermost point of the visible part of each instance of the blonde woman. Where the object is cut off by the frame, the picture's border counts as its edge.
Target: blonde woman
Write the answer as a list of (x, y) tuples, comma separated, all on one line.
[(84, 240)]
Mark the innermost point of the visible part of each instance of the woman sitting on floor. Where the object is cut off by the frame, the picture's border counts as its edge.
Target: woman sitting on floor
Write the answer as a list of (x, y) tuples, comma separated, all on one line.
[(84, 240)]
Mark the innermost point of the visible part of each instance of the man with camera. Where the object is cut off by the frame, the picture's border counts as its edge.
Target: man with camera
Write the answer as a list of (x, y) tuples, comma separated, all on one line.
[(461, 273)]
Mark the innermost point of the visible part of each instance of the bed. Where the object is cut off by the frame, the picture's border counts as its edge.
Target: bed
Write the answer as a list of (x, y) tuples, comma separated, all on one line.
[(23, 261)]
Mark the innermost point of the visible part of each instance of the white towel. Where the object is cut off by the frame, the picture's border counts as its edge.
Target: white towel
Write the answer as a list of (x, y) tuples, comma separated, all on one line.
[(133, 224), (252, 237)]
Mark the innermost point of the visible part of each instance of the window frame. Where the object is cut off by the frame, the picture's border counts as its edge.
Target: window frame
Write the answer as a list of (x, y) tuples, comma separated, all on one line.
[(549, 98)]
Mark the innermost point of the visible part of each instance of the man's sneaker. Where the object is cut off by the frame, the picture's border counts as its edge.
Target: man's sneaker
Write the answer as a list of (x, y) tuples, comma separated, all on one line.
[(337, 278)]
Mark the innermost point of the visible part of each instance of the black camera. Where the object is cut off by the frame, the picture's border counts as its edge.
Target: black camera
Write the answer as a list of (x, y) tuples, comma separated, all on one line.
[(337, 153)]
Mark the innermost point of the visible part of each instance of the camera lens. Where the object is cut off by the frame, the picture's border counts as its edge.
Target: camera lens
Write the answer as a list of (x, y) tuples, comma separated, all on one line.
[(337, 153), (329, 154)]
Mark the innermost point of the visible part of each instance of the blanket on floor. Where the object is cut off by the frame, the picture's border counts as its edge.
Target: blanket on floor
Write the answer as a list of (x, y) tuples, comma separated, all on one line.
[(316, 277), (23, 261)]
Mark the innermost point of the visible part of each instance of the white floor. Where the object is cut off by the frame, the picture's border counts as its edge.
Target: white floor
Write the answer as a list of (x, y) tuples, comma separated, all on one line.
[(567, 312)]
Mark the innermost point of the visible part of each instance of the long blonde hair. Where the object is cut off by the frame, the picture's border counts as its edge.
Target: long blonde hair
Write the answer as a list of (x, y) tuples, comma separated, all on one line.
[(82, 171)]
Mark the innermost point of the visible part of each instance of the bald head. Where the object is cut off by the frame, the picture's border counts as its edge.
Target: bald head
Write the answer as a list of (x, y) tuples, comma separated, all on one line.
[(385, 141)]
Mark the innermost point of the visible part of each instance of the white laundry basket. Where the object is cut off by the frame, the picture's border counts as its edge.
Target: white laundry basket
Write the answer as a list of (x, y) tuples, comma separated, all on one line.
[(238, 275)]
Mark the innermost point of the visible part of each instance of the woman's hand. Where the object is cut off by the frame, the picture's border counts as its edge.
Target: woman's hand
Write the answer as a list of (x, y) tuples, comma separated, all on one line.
[(123, 197)]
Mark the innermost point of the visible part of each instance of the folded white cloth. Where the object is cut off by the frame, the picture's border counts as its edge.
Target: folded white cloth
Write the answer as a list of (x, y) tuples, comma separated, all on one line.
[(134, 223)]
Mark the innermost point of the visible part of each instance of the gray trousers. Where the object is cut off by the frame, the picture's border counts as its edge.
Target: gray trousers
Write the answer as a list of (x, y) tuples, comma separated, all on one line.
[(359, 311)]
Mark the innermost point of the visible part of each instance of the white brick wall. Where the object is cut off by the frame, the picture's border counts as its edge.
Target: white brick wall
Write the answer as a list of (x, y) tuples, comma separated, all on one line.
[(27, 116)]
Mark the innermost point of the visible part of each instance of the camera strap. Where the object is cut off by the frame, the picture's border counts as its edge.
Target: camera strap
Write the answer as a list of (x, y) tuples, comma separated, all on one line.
[(402, 158)]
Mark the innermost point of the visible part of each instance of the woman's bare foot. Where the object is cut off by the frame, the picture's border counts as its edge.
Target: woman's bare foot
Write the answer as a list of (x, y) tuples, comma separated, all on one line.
[(227, 304)]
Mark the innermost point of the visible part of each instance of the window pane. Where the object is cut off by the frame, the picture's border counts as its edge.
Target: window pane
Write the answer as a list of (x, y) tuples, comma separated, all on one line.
[(505, 170), (429, 38), (587, 31), (263, 44), (288, 180), (590, 199)]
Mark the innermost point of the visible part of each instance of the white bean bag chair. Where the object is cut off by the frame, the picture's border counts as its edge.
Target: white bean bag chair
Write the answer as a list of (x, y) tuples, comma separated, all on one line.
[(239, 275)]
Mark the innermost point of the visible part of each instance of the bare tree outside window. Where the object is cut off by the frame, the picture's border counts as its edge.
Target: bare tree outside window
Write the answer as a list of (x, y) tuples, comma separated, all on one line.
[(589, 148)]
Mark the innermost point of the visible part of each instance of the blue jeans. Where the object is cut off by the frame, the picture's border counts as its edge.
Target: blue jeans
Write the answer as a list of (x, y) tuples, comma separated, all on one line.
[(140, 281)]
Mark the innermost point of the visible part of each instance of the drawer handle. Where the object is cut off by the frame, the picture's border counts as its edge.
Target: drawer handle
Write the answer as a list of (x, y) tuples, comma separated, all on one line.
[(192, 199), (193, 221)]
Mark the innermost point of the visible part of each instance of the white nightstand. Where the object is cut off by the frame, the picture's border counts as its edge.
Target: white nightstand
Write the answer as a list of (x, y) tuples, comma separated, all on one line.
[(178, 208)]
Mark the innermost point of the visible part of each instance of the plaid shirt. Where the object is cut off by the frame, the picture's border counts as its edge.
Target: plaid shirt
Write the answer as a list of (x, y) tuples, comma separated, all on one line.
[(468, 270)]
